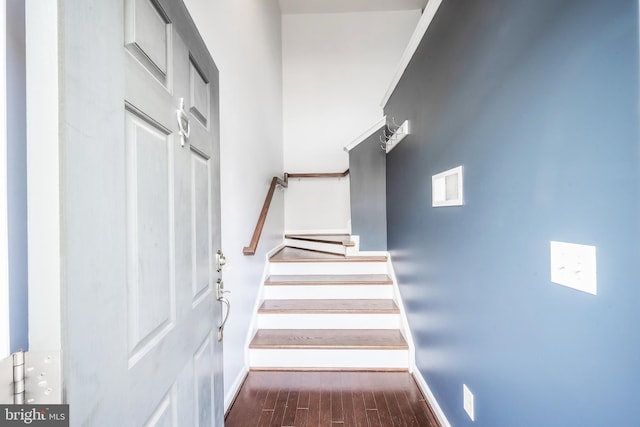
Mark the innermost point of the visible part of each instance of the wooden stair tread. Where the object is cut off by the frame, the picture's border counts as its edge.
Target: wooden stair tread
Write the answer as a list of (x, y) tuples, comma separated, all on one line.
[(339, 239), (291, 254), (329, 279), (329, 306), (338, 339)]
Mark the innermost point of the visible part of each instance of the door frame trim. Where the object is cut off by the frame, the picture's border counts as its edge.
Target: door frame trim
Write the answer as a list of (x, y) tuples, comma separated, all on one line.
[(43, 175), (5, 332)]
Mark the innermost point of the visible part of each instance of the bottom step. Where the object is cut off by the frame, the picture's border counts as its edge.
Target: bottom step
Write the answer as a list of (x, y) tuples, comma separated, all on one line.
[(329, 348)]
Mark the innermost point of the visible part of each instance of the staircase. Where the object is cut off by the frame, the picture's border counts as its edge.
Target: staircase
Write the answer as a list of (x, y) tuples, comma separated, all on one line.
[(327, 306)]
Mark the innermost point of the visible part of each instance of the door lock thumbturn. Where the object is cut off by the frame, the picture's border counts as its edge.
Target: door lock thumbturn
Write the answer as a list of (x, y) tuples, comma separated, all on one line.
[(221, 260)]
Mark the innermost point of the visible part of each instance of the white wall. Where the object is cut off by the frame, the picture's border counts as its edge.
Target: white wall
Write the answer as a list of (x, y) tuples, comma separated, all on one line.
[(244, 37), (336, 67)]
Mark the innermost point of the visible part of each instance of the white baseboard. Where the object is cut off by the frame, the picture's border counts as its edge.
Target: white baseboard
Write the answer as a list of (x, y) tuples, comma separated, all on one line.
[(437, 410), (235, 388)]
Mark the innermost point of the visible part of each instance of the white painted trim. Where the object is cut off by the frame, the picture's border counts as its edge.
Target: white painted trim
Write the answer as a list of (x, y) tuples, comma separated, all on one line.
[(439, 413), (403, 313), (43, 175), (324, 358), (373, 129), (439, 188), (280, 292), (318, 231), (235, 388), (412, 352), (423, 25), (253, 327), (360, 267), (253, 323), (4, 236), (329, 320)]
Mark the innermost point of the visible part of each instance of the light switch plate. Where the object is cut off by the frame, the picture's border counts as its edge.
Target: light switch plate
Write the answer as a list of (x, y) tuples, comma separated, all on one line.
[(467, 401), (574, 266)]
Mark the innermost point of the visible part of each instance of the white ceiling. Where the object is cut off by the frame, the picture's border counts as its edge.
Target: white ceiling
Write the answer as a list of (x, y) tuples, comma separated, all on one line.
[(341, 6)]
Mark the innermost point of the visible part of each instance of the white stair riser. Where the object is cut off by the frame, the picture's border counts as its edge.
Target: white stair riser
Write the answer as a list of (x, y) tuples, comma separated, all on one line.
[(320, 358), (352, 250), (329, 321), (316, 246), (327, 268), (328, 292)]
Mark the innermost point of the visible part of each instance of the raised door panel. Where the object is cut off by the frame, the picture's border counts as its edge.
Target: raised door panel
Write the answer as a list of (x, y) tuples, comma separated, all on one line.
[(199, 93), (165, 414), (148, 36), (203, 374), (202, 250), (150, 268)]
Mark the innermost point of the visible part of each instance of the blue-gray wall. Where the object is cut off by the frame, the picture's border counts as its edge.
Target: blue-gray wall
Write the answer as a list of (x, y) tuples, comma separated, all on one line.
[(367, 179), (539, 101), (17, 175)]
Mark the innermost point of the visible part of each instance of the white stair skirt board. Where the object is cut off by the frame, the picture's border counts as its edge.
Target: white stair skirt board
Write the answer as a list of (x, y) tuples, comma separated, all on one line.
[(431, 399), (333, 248), (327, 268), (234, 389), (328, 292), (336, 359), (230, 397), (329, 321), (403, 314)]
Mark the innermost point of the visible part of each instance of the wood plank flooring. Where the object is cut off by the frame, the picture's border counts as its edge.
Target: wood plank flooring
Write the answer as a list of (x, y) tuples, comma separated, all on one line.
[(330, 398)]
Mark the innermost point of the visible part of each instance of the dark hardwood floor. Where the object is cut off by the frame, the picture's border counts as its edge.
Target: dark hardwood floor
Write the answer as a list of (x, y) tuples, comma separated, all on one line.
[(330, 398)]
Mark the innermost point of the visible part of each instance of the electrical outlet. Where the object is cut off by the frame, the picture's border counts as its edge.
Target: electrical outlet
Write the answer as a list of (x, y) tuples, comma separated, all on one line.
[(467, 402), (574, 266)]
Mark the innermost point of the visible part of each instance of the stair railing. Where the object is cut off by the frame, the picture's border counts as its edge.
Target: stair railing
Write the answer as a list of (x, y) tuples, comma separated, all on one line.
[(284, 183)]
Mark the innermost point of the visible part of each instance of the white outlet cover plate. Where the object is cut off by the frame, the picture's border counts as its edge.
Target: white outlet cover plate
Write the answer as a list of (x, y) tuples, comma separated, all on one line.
[(467, 401), (574, 266)]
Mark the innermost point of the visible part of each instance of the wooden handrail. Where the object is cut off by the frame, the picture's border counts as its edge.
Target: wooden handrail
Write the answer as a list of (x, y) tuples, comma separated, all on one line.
[(317, 175), (251, 249), (275, 181)]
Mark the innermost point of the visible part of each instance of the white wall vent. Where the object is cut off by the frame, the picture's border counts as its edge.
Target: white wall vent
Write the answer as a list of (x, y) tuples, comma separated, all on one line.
[(447, 188)]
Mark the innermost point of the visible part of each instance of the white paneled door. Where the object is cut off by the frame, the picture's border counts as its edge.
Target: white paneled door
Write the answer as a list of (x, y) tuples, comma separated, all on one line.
[(172, 216), (140, 216)]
